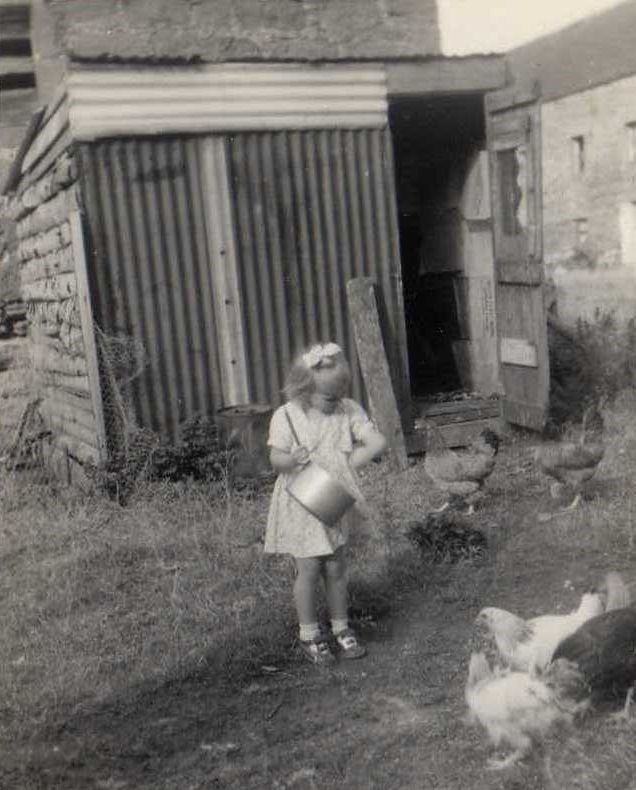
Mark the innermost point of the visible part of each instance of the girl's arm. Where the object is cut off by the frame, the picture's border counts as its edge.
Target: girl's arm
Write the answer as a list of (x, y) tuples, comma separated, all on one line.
[(372, 443), (283, 461)]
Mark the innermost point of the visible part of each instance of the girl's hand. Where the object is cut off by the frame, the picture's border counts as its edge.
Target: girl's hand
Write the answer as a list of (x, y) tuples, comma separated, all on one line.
[(372, 445), (300, 455)]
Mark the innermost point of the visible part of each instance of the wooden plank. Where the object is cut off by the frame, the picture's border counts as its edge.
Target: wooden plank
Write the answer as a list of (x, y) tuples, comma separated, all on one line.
[(13, 177), (446, 75), (525, 414), (49, 359), (88, 328), (78, 385), (74, 401), (16, 65), (55, 263), (470, 408), (56, 288), (519, 272), (374, 366), (79, 450), (518, 351), (49, 131), (42, 244), (516, 95), (221, 244), (453, 435), (47, 163), (50, 214), (63, 412)]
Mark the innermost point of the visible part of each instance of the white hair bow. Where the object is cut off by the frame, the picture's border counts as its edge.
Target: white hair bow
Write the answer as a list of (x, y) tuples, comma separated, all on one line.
[(317, 353)]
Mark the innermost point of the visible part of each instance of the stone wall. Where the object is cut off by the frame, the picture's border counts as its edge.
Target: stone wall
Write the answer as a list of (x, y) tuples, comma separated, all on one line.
[(608, 179), (47, 261)]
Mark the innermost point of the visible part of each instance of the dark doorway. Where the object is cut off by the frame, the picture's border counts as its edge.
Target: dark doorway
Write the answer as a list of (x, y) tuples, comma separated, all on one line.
[(434, 140)]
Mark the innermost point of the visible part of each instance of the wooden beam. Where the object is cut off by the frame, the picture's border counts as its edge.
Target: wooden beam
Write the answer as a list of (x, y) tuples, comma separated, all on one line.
[(88, 328), (374, 366), (16, 65), (474, 74), (519, 272), (453, 434)]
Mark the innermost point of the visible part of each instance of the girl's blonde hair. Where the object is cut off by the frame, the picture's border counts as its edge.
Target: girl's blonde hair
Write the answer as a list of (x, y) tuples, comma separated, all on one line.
[(300, 383)]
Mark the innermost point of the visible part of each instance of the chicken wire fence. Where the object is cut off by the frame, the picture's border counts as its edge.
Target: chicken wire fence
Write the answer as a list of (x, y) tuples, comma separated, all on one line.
[(23, 432), (134, 453)]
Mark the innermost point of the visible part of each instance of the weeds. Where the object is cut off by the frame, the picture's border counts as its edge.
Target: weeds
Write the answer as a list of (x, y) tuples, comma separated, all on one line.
[(595, 360)]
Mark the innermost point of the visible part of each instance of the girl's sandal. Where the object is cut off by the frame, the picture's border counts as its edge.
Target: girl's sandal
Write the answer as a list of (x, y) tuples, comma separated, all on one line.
[(349, 645), (318, 652)]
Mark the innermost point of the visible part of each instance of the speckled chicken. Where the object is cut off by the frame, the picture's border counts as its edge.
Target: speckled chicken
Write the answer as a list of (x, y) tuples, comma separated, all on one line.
[(604, 648), (528, 645), (460, 474), (572, 463)]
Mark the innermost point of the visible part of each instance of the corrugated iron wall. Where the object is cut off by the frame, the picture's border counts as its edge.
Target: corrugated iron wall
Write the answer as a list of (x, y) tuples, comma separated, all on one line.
[(313, 209), (150, 270), (308, 210)]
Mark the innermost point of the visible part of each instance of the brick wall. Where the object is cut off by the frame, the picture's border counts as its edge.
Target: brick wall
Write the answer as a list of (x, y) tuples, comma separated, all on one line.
[(608, 179), (230, 30)]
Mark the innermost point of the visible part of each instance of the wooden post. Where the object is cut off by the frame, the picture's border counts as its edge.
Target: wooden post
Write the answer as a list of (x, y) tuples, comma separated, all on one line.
[(88, 329), (375, 367)]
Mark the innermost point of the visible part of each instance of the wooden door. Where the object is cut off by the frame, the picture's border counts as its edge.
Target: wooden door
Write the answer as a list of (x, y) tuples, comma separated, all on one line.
[(514, 144)]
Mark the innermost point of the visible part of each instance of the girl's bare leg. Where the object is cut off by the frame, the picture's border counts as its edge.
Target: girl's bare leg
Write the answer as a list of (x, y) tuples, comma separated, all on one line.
[(307, 575), (334, 571)]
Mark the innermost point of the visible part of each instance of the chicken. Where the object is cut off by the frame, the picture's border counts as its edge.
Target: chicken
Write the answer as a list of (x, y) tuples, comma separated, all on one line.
[(528, 645), (572, 464), (604, 647), (461, 473), (517, 708)]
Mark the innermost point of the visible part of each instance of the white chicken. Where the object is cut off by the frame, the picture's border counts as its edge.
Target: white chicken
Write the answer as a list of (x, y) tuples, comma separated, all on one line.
[(528, 645), (518, 709)]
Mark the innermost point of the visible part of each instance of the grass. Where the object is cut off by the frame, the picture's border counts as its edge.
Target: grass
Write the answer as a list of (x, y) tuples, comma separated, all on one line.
[(104, 604)]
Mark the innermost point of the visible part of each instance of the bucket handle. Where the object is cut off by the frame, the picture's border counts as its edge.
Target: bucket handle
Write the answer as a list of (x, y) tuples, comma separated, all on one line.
[(291, 426)]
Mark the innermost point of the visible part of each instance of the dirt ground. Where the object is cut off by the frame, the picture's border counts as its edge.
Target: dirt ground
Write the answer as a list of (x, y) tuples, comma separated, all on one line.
[(391, 720), (395, 719)]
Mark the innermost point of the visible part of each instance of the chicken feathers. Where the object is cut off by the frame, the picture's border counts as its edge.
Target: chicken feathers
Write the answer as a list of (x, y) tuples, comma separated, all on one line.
[(518, 709), (604, 647), (572, 464), (463, 472), (529, 644)]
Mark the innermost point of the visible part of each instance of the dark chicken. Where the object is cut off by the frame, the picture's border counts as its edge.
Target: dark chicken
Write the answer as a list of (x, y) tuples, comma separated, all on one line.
[(604, 651), (572, 463)]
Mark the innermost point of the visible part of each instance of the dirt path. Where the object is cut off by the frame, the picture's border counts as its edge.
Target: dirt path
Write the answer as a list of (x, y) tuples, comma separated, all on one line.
[(391, 720)]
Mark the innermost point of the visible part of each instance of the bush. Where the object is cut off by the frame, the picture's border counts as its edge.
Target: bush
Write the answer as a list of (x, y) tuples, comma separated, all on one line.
[(593, 361)]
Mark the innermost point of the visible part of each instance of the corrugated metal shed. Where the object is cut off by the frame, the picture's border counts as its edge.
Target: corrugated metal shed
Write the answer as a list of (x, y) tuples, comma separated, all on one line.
[(313, 209), (224, 253), (151, 270)]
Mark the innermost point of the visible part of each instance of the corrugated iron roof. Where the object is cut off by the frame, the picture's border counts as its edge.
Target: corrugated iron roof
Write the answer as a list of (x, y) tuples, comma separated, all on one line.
[(104, 102), (594, 51)]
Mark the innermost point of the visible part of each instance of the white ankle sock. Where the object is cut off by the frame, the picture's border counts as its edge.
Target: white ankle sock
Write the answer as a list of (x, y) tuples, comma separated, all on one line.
[(338, 626), (309, 632)]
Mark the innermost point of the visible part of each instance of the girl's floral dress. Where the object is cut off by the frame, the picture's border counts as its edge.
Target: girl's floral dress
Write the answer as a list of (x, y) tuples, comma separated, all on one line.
[(329, 438)]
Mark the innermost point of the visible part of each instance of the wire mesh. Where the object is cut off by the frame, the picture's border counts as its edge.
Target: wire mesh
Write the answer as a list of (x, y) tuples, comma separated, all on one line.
[(24, 437)]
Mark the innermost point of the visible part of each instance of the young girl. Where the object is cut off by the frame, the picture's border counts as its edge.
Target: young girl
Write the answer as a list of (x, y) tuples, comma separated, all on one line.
[(320, 424)]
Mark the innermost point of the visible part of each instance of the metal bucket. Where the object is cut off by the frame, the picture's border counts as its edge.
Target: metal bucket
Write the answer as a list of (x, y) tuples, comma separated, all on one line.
[(319, 493)]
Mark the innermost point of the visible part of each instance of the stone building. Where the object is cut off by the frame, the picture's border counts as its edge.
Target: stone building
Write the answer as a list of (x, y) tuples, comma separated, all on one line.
[(587, 74)]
